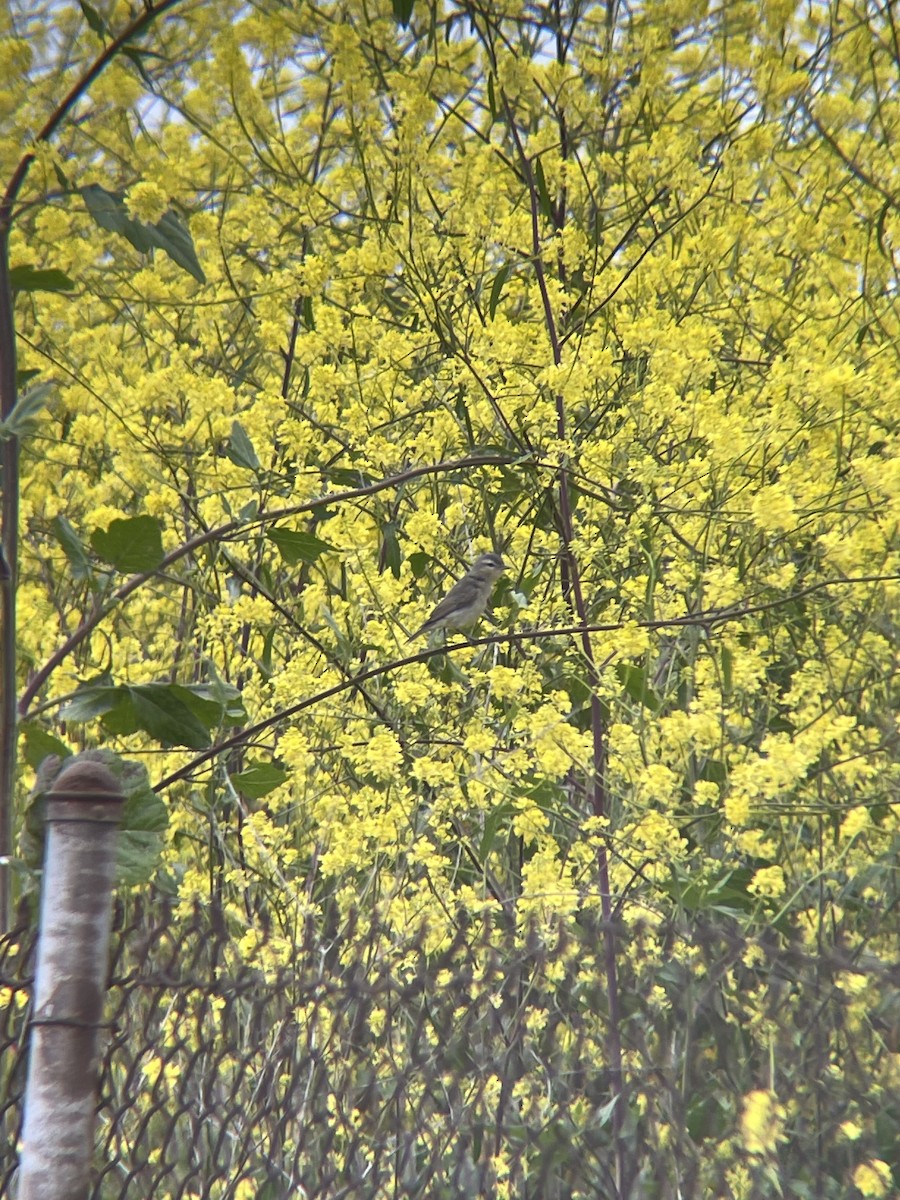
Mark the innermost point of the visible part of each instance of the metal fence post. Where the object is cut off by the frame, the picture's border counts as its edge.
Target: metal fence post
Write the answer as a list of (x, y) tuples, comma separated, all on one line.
[(84, 811)]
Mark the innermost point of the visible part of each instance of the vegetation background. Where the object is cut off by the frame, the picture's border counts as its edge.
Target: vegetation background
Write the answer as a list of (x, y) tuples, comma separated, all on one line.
[(304, 305)]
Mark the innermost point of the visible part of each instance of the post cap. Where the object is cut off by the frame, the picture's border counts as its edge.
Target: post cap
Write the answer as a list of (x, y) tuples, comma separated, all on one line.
[(82, 777)]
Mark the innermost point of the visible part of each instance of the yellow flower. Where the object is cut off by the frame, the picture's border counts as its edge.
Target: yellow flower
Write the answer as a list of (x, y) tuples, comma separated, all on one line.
[(768, 881), (773, 509), (762, 1122), (383, 755), (479, 741), (737, 808), (146, 202), (855, 822), (873, 1178)]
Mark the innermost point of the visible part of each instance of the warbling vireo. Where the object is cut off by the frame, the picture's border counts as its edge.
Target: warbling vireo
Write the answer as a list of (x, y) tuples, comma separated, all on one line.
[(466, 600)]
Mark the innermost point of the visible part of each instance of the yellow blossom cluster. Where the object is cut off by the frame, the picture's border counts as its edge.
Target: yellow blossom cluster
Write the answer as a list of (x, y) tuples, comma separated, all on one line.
[(613, 295)]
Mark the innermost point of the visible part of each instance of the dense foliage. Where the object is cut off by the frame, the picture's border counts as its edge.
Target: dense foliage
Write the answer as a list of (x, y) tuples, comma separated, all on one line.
[(334, 296)]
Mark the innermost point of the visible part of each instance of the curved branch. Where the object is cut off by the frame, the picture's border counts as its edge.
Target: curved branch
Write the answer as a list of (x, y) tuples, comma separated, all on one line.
[(78, 89), (225, 532), (704, 619)]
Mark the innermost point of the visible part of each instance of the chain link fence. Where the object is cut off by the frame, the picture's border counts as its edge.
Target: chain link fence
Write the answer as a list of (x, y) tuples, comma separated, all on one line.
[(356, 1068), (350, 1062)]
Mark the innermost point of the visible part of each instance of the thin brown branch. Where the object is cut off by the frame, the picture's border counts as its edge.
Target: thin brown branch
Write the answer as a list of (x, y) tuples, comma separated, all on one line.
[(129, 33), (703, 619), (226, 532)]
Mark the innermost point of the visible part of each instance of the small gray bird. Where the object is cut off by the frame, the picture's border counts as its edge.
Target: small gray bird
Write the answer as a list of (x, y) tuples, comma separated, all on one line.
[(466, 600)]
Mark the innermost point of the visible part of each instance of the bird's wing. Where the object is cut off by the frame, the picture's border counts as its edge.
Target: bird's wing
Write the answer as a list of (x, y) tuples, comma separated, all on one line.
[(447, 605)]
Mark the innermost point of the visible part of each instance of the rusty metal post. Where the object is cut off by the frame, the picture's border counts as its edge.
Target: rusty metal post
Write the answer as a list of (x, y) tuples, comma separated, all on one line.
[(84, 811)]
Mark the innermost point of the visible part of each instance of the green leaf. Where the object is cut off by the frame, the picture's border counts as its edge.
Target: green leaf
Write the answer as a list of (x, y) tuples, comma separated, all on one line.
[(144, 820), (20, 421), (61, 178), (32, 279), (243, 369), (173, 714), (265, 658), (120, 717), (544, 202), (402, 11), (514, 483), (497, 818), (109, 212), (705, 1118), (390, 548), (887, 1133), (209, 710), (131, 545), (136, 856), (240, 449), (497, 288), (730, 891), (727, 893), (492, 97), (347, 477), (90, 700), (160, 711), (93, 18), (419, 563), (297, 547), (157, 709), (169, 234), (714, 771), (173, 236), (73, 548), (39, 744), (634, 680), (225, 698), (259, 779), (137, 56), (604, 1113)]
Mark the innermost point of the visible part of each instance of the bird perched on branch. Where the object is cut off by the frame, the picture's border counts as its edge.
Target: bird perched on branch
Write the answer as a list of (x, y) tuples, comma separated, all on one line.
[(466, 600)]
